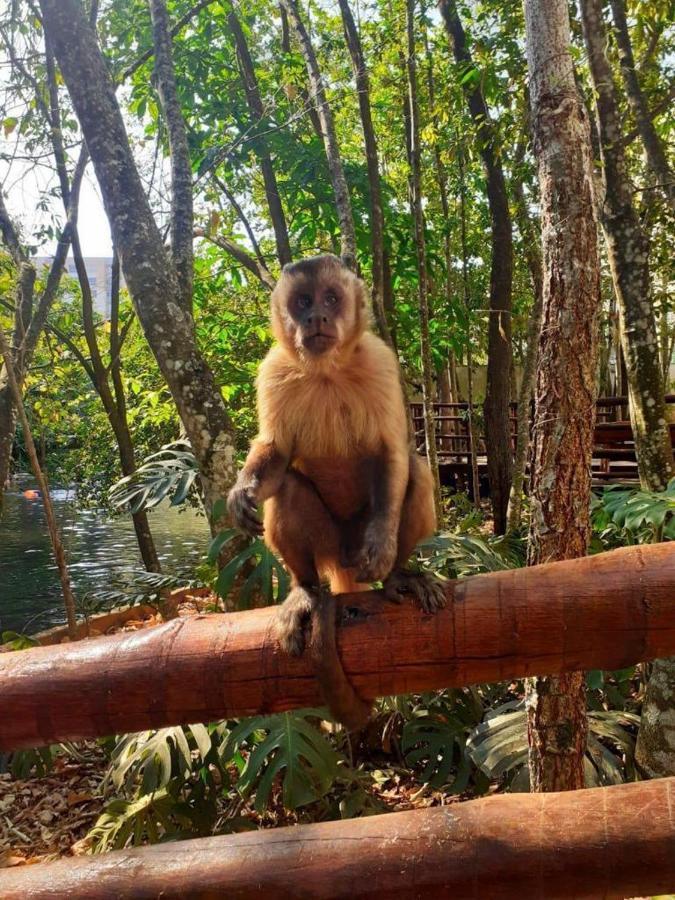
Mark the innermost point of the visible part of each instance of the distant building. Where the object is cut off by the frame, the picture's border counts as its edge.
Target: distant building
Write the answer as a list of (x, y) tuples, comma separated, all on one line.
[(99, 271)]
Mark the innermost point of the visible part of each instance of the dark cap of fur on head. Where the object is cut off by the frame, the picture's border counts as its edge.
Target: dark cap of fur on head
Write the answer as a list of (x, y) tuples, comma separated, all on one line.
[(313, 264)]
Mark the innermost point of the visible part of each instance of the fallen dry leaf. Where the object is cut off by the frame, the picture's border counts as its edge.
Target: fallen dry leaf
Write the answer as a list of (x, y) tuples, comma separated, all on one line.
[(74, 798)]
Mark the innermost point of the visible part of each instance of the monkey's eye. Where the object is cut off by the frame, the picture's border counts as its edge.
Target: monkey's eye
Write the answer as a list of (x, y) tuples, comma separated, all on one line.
[(304, 301), (331, 299)]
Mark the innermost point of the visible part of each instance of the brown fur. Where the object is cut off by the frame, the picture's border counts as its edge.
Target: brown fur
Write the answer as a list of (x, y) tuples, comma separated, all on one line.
[(346, 503)]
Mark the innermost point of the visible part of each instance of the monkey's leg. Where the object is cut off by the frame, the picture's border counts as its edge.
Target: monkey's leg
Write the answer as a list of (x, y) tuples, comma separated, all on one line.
[(300, 527), (418, 520)]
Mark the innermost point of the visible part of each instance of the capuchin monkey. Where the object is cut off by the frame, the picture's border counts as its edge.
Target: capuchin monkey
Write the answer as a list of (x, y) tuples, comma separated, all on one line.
[(345, 500)]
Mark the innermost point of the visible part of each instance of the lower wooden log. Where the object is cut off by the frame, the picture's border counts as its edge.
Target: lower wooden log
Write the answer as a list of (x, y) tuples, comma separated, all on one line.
[(603, 612), (605, 842)]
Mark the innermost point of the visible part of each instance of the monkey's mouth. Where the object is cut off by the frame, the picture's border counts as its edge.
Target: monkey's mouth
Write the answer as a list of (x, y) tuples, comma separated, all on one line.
[(318, 343)]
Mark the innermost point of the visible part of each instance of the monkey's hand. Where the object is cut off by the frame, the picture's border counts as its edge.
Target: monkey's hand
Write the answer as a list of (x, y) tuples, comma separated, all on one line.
[(242, 509), (426, 588), (377, 555)]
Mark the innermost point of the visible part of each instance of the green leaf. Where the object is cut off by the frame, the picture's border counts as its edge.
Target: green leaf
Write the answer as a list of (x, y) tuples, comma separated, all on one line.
[(219, 541), (287, 746)]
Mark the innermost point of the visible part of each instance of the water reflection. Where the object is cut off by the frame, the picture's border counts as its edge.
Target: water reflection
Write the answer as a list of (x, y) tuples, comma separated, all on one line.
[(98, 549)]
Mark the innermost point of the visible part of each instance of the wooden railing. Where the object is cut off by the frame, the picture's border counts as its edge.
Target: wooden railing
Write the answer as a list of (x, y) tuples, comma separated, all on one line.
[(613, 457), (607, 611)]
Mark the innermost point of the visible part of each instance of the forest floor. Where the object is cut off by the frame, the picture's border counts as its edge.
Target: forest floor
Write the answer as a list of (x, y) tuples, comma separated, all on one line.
[(45, 817)]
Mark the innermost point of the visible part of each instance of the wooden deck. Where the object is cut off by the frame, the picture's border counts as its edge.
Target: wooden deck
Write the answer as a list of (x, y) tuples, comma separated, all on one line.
[(614, 460)]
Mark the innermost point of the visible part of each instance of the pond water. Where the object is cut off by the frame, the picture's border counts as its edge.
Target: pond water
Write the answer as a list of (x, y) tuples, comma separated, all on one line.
[(99, 549)]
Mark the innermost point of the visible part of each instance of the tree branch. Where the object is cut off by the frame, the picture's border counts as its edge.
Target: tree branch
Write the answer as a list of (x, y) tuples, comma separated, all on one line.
[(257, 268), (173, 31)]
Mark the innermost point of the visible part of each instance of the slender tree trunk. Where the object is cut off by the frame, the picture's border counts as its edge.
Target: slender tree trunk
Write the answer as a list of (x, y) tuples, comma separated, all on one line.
[(257, 110), (373, 167), (628, 250), (531, 245), (566, 379), (654, 149), (498, 394), (423, 277), (448, 377), (55, 537), (149, 273), (30, 312), (309, 104), (181, 167), (318, 93), (114, 404), (472, 431)]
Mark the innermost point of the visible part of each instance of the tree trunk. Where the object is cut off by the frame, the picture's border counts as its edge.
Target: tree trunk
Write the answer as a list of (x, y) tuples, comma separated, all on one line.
[(149, 274), (373, 167), (498, 394), (628, 250), (654, 150), (566, 380), (181, 167), (423, 275), (261, 149), (318, 92), (471, 430), (447, 388), (532, 249), (30, 316)]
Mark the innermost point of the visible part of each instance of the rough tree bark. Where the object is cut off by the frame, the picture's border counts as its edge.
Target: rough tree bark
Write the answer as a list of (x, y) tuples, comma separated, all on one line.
[(498, 394), (628, 250), (423, 275), (318, 93), (373, 167), (261, 149), (150, 275), (566, 379), (656, 155), (181, 168)]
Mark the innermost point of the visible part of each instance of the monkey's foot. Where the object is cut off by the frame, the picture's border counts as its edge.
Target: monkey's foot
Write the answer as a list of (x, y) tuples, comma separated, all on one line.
[(427, 589), (293, 619)]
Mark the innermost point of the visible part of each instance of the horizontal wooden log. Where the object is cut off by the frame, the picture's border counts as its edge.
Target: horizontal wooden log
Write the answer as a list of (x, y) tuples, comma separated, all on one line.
[(606, 611), (605, 842)]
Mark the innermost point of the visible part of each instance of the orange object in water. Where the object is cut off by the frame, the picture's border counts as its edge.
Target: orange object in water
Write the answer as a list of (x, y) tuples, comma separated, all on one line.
[(32, 495)]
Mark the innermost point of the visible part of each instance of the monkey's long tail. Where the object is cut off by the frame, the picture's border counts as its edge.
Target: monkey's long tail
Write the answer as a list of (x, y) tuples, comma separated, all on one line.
[(341, 698)]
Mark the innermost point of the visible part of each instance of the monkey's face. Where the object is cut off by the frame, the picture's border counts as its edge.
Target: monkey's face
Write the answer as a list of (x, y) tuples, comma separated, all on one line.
[(317, 307)]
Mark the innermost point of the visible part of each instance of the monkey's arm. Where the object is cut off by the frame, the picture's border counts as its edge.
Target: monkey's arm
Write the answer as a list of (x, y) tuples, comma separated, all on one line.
[(388, 485), (260, 478)]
